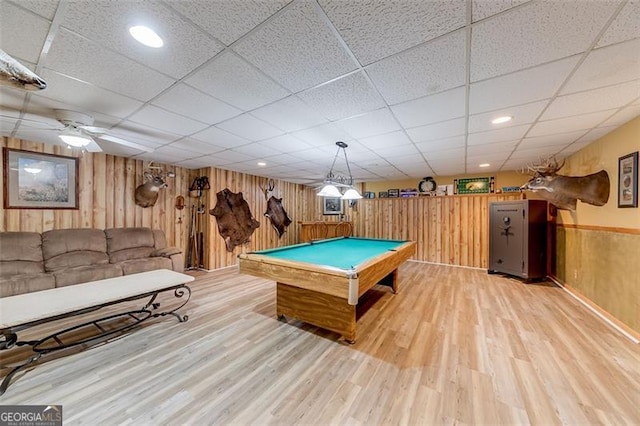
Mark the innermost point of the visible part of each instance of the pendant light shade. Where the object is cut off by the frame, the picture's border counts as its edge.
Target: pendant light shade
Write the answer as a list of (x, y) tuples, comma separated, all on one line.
[(333, 182)]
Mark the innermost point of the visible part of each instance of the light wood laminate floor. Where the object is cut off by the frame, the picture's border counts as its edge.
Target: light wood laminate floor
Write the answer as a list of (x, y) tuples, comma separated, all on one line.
[(454, 346)]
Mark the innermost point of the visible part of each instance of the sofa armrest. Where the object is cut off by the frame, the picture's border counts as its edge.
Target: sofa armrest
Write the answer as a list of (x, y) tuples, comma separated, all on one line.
[(165, 252)]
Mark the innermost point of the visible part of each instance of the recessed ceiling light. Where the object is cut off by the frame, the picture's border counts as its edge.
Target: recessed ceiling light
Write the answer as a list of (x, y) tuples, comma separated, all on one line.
[(485, 165), (146, 36), (502, 119), (261, 163)]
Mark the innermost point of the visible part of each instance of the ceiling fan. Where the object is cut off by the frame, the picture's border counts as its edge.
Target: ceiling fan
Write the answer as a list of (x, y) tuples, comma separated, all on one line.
[(75, 129)]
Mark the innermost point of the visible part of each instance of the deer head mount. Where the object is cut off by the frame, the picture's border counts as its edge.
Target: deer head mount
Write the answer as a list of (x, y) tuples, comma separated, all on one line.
[(565, 191), (146, 194), (269, 186)]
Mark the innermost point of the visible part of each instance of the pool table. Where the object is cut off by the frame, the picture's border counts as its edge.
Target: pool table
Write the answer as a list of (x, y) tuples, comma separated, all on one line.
[(320, 282)]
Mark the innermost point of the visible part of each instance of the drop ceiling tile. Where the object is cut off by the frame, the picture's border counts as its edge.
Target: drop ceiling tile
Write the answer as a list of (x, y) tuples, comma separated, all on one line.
[(196, 163), (231, 156), (398, 151), (344, 97), (569, 124), (257, 150), (533, 155), (178, 153), (107, 23), (385, 141), (286, 143), (228, 20), (473, 168), (561, 139), (325, 134), (230, 79), (38, 135), (606, 66), (44, 8), (143, 135), (516, 165), (448, 169), (15, 41), (484, 8), (441, 144), (498, 135), (187, 101), (445, 154), (11, 98), (593, 100), (521, 87), (502, 148), (297, 48), (86, 97), (623, 116), (197, 146), (431, 109), (315, 155), (522, 114), (220, 137), (444, 129), (374, 30), (285, 159), (427, 69), (158, 118), (596, 134), (538, 32), (76, 56), (369, 124), (248, 127), (289, 114), (625, 27)]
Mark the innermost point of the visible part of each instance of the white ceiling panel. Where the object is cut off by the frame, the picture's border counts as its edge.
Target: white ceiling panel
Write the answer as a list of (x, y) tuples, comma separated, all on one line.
[(444, 129), (325, 134), (374, 30), (220, 137), (521, 87), (231, 156), (85, 96), (369, 124), (344, 97), (498, 135), (522, 114), (158, 118), (158, 157), (107, 23), (196, 163), (593, 100), (231, 79), (104, 68), (286, 143), (535, 33), (11, 98), (427, 69), (555, 139), (606, 66), (44, 8), (596, 133), (623, 116), (625, 27), (297, 38), (257, 150), (441, 144), (187, 101), (431, 109), (143, 135), (13, 22), (570, 124), (484, 8), (502, 148), (386, 140), (289, 114), (179, 153), (533, 155), (228, 20), (398, 151), (251, 128), (194, 145), (445, 154)]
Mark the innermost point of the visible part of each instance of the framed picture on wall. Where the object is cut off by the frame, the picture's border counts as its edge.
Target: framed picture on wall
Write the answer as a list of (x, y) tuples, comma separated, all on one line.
[(332, 206), (34, 180), (628, 180)]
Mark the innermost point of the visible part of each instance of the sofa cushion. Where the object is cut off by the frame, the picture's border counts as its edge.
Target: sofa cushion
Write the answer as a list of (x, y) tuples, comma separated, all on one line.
[(19, 267), (159, 239), (126, 238), (83, 274), (26, 283), (69, 248), (20, 253), (143, 265)]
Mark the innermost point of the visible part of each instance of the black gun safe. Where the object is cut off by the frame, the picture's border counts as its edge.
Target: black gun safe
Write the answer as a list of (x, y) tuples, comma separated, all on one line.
[(518, 238)]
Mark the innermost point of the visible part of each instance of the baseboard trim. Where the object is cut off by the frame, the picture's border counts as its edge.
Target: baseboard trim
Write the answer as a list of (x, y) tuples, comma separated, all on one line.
[(619, 326)]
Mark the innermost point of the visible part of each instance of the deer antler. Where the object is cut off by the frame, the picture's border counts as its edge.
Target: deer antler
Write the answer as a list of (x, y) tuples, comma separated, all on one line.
[(270, 185), (545, 167)]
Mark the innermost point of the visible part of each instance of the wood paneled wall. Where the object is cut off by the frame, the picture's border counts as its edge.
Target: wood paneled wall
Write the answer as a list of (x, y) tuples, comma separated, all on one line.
[(106, 186)]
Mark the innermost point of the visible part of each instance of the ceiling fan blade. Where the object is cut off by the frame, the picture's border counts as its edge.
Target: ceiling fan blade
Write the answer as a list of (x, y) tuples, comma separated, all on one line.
[(94, 129), (93, 147), (124, 142)]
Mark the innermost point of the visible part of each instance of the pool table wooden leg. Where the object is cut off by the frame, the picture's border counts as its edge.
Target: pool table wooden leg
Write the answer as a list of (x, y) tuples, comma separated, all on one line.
[(394, 286)]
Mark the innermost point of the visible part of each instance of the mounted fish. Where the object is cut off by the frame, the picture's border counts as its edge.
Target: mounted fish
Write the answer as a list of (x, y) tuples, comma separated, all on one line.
[(277, 215), (235, 221), (14, 74), (565, 191)]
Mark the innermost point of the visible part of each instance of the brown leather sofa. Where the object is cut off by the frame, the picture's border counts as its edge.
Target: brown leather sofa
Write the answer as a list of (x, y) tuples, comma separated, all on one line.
[(30, 261)]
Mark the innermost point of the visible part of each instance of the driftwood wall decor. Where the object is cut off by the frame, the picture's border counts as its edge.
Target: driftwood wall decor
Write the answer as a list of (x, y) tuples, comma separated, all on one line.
[(235, 221)]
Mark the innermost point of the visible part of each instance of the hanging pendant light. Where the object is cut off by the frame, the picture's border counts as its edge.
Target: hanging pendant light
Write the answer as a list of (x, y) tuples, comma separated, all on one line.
[(333, 182)]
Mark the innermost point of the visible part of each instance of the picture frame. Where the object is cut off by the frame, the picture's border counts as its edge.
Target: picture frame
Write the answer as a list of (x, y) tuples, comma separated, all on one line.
[(369, 194), (394, 193), (628, 180), (35, 180), (383, 194), (332, 206), (479, 185)]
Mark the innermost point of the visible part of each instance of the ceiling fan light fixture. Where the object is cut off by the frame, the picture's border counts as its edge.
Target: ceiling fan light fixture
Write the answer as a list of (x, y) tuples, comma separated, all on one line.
[(146, 36), (75, 138)]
